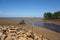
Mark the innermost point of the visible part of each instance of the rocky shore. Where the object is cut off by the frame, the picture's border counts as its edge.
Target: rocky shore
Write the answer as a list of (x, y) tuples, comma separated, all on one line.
[(12, 32)]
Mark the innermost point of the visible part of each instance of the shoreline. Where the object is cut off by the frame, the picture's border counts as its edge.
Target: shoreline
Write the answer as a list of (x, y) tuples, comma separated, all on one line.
[(38, 30), (55, 21)]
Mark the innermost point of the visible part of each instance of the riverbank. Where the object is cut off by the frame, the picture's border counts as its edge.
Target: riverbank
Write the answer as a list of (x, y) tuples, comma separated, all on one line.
[(55, 21), (37, 30)]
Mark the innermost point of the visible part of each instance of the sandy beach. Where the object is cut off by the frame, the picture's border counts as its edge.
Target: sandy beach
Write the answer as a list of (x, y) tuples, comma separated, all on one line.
[(51, 35)]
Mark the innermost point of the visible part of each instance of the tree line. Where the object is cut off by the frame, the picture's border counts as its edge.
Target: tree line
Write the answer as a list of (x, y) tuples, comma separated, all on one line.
[(49, 15)]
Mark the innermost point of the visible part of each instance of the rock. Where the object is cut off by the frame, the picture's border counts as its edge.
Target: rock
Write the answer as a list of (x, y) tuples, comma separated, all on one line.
[(0, 29), (24, 35), (28, 33), (22, 22), (1, 34), (3, 37), (22, 38), (29, 39), (8, 38), (35, 36), (16, 33), (45, 39), (40, 36), (12, 26)]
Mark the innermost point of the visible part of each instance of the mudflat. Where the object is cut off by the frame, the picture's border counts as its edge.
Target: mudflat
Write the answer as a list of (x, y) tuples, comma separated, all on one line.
[(36, 29), (7, 21)]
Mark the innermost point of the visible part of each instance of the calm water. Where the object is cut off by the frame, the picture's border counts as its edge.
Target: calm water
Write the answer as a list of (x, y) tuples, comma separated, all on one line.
[(52, 27)]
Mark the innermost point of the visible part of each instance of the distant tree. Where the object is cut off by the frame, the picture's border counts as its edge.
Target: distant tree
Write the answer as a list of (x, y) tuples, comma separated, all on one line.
[(45, 15), (48, 15), (57, 15)]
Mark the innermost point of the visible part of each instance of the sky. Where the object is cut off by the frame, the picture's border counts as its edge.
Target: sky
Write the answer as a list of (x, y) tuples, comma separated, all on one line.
[(28, 8)]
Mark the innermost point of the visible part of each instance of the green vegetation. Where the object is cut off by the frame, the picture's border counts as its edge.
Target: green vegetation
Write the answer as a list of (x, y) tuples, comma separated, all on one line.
[(49, 15)]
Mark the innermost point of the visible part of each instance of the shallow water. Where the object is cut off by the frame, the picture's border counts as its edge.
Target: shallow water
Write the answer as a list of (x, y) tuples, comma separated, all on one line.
[(52, 27)]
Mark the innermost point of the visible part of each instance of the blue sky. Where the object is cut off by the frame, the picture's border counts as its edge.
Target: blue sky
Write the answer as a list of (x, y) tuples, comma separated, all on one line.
[(27, 8)]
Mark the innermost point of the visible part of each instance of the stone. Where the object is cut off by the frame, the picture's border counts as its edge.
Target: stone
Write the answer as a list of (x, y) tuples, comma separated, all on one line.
[(28, 33), (1, 34), (3, 37), (39, 38), (22, 38), (29, 39), (24, 35), (35, 36), (40, 35), (45, 39)]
